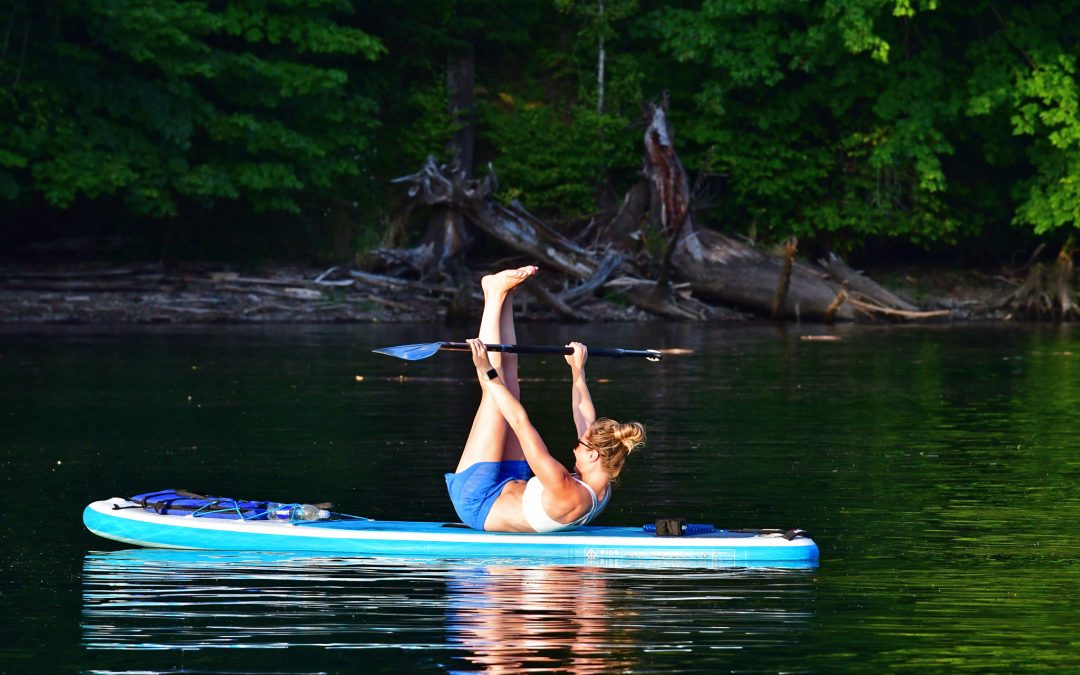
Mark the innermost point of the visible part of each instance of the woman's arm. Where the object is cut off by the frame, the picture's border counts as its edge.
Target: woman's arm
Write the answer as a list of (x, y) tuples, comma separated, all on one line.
[(549, 470), (580, 399)]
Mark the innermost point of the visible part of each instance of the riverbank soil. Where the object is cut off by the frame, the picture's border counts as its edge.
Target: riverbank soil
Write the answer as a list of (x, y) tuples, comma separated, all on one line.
[(93, 293), (99, 293)]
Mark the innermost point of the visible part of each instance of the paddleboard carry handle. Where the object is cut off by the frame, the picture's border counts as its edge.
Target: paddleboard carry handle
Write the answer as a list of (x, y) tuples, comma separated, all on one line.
[(676, 527)]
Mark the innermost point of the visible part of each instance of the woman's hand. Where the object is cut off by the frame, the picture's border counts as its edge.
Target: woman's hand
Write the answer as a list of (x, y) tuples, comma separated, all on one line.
[(578, 358), (479, 356)]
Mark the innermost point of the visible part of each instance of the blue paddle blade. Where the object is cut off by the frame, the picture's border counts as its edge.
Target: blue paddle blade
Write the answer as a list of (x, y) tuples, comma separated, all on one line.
[(411, 352)]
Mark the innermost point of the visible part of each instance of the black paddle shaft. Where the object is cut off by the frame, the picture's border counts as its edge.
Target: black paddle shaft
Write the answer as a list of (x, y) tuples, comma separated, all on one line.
[(650, 354)]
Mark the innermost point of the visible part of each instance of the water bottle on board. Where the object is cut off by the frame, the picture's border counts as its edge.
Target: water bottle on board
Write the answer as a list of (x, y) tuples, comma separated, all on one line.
[(309, 512), (296, 513)]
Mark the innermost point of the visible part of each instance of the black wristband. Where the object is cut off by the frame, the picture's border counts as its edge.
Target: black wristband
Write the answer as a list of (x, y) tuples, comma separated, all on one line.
[(493, 374)]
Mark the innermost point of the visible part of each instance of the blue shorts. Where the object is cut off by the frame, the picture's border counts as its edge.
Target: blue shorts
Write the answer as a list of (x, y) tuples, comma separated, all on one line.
[(474, 490)]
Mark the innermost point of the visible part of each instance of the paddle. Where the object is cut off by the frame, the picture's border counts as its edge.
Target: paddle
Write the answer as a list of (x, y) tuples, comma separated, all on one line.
[(423, 351)]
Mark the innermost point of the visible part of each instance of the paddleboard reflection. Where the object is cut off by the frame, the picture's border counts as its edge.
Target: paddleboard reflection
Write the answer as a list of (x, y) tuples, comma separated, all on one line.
[(491, 615)]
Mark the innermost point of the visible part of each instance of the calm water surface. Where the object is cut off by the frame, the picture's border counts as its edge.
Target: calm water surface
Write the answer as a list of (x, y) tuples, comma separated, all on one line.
[(937, 468)]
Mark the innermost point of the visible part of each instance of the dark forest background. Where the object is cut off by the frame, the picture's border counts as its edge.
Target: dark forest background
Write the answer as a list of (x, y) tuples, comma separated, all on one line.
[(248, 130)]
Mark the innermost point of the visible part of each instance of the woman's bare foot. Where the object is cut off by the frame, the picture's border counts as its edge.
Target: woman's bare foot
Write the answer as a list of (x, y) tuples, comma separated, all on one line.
[(507, 280)]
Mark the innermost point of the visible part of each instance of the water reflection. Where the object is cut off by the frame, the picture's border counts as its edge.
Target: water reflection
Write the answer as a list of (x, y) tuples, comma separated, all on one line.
[(510, 619), (496, 617), (938, 468)]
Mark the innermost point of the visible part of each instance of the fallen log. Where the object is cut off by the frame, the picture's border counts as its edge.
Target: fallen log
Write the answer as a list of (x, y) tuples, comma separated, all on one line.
[(400, 284), (718, 267), (730, 271), (627, 220), (513, 226), (889, 311), (862, 286), (413, 261), (290, 293), (603, 271), (663, 303), (524, 233), (557, 305)]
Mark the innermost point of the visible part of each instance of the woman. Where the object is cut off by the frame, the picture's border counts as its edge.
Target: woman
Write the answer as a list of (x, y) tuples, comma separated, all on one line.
[(491, 488)]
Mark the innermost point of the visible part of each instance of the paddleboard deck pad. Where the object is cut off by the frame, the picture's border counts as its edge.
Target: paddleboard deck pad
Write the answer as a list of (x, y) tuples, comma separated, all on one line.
[(136, 523)]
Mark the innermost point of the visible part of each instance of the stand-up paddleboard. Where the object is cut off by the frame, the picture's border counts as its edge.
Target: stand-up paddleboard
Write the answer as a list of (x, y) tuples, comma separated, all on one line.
[(133, 523)]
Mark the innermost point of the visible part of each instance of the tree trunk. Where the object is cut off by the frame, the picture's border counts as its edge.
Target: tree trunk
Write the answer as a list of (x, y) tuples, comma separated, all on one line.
[(446, 237), (1047, 291), (627, 220), (863, 287), (521, 231), (601, 57), (461, 86), (719, 267), (716, 267), (730, 271)]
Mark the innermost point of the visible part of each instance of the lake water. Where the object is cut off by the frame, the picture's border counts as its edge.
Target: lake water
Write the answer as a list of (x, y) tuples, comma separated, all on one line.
[(937, 468)]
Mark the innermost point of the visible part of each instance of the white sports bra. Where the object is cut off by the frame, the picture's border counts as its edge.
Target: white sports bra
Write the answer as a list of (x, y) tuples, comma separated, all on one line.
[(533, 507)]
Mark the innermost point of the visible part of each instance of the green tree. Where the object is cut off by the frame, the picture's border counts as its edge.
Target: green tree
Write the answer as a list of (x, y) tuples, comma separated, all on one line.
[(857, 119), (1026, 69), (161, 103), (565, 134), (843, 122)]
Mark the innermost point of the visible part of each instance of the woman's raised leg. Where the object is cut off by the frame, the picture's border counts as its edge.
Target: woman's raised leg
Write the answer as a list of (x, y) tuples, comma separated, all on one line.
[(490, 439)]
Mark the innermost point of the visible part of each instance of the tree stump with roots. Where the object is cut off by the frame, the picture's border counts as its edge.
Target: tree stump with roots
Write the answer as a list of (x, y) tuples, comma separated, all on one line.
[(1048, 290)]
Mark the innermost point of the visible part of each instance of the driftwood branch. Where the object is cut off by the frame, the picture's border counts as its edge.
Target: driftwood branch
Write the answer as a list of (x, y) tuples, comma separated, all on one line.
[(864, 287), (512, 226), (400, 284), (603, 271), (664, 304), (785, 281), (628, 217), (841, 297), (717, 268), (900, 313), (557, 305), (325, 280)]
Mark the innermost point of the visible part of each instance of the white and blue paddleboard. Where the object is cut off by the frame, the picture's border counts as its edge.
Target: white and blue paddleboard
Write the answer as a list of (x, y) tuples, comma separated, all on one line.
[(123, 520)]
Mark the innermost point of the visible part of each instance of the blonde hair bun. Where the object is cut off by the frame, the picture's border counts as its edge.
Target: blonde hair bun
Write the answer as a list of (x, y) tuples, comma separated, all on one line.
[(631, 435), (614, 442)]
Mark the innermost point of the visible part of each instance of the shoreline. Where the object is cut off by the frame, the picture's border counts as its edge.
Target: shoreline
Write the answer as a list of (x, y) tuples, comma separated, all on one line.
[(101, 294)]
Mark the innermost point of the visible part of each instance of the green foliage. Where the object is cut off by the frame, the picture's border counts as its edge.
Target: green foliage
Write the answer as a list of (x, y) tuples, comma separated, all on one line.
[(819, 126), (552, 147), (844, 117), (163, 102), (1042, 98), (844, 121), (432, 127), (552, 157)]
